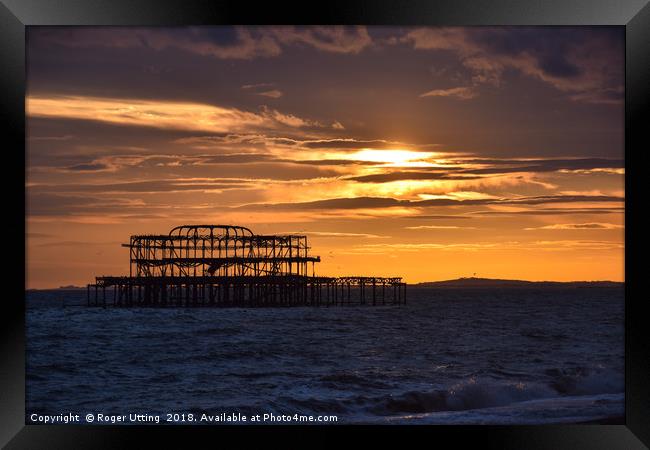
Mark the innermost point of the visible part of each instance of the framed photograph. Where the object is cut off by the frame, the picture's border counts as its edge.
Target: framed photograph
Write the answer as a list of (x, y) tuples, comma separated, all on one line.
[(403, 216)]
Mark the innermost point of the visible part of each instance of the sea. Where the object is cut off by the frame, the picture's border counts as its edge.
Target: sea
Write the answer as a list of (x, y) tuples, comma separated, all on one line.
[(449, 356)]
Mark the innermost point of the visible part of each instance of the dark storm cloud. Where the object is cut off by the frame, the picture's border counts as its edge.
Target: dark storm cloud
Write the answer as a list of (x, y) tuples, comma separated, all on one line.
[(586, 60), (332, 162), (550, 212), (387, 202), (93, 140), (549, 47), (334, 203), (216, 42), (246, 158), (140, 186), (435, 217), (542, 165), (557, 66), (132, 161), (99, 206), (397, 176), (262, 140), (43, 204), (340, 144), (236, 158), (78, 244), (88, 167), (543, 199), (459, 172)]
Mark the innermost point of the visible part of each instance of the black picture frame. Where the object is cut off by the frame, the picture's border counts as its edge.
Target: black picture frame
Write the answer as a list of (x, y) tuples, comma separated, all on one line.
[(634, 15)]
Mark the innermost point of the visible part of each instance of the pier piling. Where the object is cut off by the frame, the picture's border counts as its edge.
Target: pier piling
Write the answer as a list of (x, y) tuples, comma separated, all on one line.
[(225, 266)]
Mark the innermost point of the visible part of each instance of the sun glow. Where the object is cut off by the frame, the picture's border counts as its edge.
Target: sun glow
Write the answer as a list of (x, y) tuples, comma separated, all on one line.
[(398, 158)]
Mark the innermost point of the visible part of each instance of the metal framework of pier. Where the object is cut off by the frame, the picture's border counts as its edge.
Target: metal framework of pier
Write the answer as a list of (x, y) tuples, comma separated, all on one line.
[(226, 265)]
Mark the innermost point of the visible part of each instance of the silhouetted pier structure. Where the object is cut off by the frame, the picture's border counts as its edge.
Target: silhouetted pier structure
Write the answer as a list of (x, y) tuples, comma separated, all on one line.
[(225, 265)]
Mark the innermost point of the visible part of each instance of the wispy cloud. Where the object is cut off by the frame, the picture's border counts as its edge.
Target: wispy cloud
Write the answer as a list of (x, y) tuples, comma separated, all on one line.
[(334, 234), (273, 93), (461, 93), (438, 227), (578, 226), (65, 137), (557, 245), (347, 144), (163, 114), (550, 212), (263, 89), (257, 85)]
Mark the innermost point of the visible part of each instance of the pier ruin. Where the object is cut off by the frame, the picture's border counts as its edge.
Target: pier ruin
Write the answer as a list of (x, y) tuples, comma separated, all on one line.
[(230, 266)]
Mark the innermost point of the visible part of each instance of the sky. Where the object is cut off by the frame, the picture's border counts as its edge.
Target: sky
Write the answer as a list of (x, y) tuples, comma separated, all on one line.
[(426, 153)]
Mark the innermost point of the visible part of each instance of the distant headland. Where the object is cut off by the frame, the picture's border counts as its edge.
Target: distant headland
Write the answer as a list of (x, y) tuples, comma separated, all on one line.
[(499, 283)]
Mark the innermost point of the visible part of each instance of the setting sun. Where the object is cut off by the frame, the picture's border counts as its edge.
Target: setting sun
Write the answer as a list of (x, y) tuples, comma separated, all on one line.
[(402, 158)]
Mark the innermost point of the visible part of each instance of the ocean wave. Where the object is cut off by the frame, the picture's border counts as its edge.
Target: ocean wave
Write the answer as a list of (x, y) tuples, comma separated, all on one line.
[(584, 381), (470, 394), (319, 406)]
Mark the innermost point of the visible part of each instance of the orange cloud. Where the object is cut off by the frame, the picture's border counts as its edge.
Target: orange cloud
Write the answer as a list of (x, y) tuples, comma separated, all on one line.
[(162, 114)]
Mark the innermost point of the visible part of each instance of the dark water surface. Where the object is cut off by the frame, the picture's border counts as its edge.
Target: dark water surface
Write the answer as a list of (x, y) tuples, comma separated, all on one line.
[(448, 356)]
